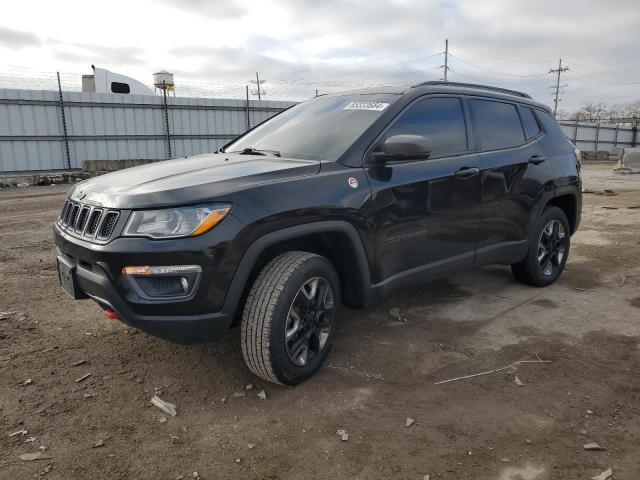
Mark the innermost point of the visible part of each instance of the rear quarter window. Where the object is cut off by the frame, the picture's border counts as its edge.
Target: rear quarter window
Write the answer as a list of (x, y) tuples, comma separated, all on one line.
[(497, 124), (558, 142), (531, 124)]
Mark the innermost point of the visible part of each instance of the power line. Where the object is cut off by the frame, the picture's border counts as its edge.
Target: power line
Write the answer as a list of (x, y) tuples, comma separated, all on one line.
[(360, 72), (598, 80), (495, 71), (333, 67), (506, 59), (403, 70), (359, 81), (523, 83)]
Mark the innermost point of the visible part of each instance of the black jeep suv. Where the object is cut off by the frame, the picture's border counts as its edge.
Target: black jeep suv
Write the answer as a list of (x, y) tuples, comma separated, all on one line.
[(342, 198)]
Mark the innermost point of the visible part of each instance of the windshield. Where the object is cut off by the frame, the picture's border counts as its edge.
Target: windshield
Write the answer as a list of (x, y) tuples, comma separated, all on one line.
[(318, 129)]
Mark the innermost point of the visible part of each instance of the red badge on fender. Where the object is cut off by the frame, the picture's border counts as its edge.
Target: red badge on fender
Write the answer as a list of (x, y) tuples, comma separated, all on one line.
[(353, 182)]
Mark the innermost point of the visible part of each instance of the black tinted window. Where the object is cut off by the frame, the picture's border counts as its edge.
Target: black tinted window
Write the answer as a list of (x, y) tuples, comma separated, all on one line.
[(439, 120), (119, 87), (533, 129), (497, 124), (559, 143), (318, 129)]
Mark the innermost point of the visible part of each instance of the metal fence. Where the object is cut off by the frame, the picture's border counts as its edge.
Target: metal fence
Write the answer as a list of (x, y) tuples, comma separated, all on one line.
[(49, 130), (596, 136), (54, 130)]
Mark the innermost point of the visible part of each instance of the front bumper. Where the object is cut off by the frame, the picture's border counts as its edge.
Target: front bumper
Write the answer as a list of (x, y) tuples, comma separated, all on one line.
[(201, 316)]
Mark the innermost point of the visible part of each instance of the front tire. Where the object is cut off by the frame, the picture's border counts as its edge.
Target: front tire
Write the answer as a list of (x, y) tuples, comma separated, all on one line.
[(548, 250), (288, 323)]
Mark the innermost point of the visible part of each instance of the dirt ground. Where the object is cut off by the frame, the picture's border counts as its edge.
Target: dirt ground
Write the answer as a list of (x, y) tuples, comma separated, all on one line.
[(381, 372)]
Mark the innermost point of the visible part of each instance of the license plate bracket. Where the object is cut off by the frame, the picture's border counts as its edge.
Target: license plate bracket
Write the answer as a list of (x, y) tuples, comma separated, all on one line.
[(69, 280)]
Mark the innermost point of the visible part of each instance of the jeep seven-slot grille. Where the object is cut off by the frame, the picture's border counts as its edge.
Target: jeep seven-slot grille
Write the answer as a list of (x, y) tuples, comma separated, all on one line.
[(86, 221), (108, 224), (81, 222), (94, 220)]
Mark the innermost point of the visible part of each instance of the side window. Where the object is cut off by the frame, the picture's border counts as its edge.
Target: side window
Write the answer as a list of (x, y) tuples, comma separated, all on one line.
[(531, 124), (439, 120), (118, 87), (498, 124)]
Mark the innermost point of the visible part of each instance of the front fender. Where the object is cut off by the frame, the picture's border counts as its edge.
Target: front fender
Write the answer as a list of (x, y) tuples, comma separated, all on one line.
[(253, 252)]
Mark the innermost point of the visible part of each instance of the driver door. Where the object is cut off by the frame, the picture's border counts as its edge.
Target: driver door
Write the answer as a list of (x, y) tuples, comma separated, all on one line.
[(427, 213)]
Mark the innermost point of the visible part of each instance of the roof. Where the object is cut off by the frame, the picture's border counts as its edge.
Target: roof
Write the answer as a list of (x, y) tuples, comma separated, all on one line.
[(451, 87), (474, 86)]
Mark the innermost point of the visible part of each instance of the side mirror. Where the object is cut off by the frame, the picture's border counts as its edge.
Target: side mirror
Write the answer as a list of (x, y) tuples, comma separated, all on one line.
[(401, 148)]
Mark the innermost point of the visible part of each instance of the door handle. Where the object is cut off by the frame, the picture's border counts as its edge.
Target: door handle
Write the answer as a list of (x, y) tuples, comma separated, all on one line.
[(537, 159), (466, 172)]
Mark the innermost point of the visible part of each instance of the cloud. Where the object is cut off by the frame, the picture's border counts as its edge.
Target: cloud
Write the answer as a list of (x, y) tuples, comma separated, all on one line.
[(346, 44), (223, 9), (502, 42), (11, 38), (229, 63), (99, 55)]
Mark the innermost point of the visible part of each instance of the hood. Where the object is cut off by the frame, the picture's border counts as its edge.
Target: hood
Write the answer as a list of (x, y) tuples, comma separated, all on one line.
[(190, 180)]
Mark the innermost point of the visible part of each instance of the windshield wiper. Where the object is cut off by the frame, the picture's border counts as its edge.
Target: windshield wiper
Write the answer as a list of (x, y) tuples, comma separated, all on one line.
[(257, 151)]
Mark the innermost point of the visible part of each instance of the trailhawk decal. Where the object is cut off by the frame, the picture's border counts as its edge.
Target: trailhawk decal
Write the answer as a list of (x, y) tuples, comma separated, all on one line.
[(375, 106)]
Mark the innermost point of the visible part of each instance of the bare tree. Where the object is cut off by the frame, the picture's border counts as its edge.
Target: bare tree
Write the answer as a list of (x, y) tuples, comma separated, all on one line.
[(615, 111), (601, 111), (631, 109), (592, 111)]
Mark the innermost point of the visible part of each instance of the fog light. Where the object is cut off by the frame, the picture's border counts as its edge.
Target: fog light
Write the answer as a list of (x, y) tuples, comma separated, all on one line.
[(168, 281)]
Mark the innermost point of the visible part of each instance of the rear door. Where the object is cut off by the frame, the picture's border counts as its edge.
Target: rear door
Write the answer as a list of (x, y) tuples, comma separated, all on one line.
[(426, 213), (515, 176)]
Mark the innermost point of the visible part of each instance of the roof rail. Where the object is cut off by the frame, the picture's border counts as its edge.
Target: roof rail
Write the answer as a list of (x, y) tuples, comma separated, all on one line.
[(474, 85)]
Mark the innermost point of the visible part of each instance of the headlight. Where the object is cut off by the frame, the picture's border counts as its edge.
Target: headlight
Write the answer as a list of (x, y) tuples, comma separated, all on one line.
[(175, 222)]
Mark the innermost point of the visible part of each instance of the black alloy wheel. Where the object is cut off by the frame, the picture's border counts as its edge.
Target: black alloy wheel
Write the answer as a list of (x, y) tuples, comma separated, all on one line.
[(309, 321)]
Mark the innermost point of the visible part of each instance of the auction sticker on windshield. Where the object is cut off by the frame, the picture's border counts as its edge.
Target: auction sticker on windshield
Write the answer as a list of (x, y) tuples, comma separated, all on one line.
[(375, 106)]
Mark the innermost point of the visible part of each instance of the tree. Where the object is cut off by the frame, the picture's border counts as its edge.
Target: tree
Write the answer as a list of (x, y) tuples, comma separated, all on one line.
[(631, 109), (601, 111), (592, 111), (615, 111)]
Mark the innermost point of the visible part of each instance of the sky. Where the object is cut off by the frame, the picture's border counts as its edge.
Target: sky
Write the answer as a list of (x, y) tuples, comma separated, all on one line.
[(214, 48)]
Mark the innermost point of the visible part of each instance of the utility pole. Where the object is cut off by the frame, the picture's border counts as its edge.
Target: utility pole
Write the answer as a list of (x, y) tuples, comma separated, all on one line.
[(258, 83), (558, 70), (446, 58)]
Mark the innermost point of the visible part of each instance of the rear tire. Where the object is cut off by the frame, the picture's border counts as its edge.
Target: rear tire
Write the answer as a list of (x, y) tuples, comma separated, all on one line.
[(288, 323), (548, 250)]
